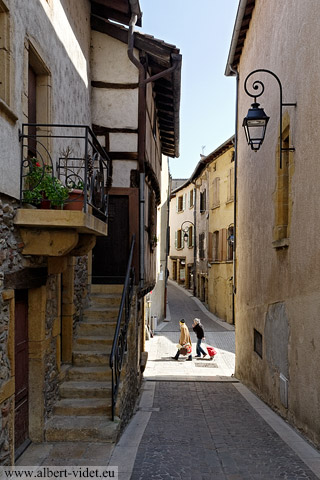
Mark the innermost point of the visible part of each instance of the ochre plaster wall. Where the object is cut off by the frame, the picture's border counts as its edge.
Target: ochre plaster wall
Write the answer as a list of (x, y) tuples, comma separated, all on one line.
[(283, 37)]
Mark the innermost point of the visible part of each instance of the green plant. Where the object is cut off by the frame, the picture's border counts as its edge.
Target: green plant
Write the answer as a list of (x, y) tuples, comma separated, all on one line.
[(42, 184)]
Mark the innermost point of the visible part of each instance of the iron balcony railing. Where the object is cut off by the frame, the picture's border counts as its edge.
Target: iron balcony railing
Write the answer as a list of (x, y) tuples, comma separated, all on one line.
[(59, 159), (119, 346)]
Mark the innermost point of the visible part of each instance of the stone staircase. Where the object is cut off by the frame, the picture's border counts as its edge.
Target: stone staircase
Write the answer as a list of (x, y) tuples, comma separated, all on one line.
[(84, 410)]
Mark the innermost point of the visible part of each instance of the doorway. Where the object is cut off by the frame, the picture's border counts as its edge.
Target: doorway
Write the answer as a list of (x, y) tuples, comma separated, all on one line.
[(111, 253), (21, 426)]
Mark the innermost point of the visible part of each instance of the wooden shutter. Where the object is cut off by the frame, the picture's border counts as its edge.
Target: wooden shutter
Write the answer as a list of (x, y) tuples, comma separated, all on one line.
[(220, 247), (224, 244), (176, 239), (210, 245)]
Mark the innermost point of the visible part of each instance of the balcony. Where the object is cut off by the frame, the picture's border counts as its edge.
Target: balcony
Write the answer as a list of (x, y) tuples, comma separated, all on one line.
[(64, 179)]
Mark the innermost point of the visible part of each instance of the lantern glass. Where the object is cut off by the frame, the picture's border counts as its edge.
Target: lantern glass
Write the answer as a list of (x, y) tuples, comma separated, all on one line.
[(255, 124)]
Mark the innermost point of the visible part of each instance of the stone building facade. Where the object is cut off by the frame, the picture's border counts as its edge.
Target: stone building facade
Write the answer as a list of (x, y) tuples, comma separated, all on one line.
[(53, 84), (277, 288)]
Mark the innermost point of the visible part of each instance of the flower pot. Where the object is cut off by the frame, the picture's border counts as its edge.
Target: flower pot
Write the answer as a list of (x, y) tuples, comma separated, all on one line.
[(75, 200)]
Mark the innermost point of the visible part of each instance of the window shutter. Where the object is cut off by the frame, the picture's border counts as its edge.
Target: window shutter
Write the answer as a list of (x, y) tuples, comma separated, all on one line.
[(220, 246), (192, 236), (184, 201), (210, 245), (177, 204), (189, 199), (224, 244), (176, 239)]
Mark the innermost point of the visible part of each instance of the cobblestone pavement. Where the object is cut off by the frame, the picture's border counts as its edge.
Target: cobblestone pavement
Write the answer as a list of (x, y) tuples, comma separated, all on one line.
[(200, 423), (209, 431), (162, 346)]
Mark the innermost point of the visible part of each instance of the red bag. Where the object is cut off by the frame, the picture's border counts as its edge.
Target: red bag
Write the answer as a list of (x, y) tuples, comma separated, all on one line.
[(212, 351)]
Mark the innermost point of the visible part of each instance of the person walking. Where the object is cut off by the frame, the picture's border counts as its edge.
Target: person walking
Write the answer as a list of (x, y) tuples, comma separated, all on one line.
[(184, 339), (198, 330)]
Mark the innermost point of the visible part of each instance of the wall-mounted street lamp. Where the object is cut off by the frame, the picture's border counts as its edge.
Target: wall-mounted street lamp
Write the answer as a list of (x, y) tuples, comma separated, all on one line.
[(186, 230), (256, 121)]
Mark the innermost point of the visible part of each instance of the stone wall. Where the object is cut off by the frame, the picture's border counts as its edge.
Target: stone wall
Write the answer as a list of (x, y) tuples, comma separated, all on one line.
[(6, 433), (51, 380), (81, 300), (131, 375)]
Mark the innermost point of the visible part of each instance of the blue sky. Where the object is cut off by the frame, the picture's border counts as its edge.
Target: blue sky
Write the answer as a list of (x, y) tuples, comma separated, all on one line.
[(202, 30)]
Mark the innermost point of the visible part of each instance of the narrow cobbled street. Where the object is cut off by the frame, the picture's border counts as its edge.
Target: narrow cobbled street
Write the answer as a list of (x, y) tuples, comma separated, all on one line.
[(196, 421)]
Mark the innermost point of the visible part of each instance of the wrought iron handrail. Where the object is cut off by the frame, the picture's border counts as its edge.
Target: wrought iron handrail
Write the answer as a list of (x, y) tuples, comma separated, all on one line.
[(81, 163), (119, 345)]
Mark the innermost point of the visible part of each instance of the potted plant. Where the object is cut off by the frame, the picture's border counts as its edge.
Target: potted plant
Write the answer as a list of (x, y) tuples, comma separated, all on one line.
[(75, 197), (42, 188)]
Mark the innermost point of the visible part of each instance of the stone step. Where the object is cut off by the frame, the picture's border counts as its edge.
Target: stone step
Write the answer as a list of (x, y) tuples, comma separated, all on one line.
[(110, 299), (101, 313), (85, 390), (95, 328), (88, 358), (105, 289), (64, 428), (82, 406), (101, 343), (95, 373)]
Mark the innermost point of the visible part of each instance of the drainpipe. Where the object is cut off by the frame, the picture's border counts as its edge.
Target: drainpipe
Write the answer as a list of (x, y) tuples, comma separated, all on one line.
[(234, 287), (142, 131), (141, 144)]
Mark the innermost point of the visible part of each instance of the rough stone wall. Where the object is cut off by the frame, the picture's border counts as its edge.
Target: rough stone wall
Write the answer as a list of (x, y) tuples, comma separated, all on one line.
[(80, 288), (51, 380), (10, 243), (5, 367), (131, 375), (6, 433)]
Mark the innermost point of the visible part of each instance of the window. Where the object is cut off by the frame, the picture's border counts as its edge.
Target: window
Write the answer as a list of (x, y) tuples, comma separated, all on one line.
[(216, 192), (203, 201), (191, 198), (181, 203), (4, 54), (38, 96), (282, 201), (215, 246), (201, 246), (190, 236), (257, 342), (230, 185), (230, 240), (179, 239)]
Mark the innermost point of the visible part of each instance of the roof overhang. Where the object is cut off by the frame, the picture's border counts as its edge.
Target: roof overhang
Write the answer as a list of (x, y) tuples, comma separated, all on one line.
[(167, 90), (204, 161), (240, 29), (117, 10)]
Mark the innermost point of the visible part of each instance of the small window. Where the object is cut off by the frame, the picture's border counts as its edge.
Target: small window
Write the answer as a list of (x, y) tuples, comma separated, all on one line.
[(181, 203), (191, 198), (201, 246), (216, 192), (190, 236), (203, 201), (5, 64), (257, 342), (230, 185), (179, 239), (230, 240), (215, 246)]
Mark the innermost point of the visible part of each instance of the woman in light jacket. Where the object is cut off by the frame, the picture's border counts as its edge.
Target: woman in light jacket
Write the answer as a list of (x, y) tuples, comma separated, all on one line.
[(184, 338)]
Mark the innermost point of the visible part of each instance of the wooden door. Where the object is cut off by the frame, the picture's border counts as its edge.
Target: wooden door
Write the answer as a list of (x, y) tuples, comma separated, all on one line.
[(110, 255), (21, 368)]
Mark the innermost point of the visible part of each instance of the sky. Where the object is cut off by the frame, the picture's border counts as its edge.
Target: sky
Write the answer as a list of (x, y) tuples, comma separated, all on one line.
[(202, 30)]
